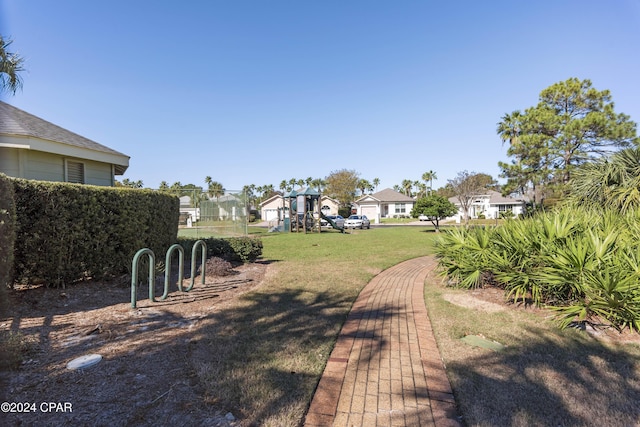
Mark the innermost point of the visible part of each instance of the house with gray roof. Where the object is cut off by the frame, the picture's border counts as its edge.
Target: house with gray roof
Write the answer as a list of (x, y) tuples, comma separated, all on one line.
[(33, 148), (490, 204), (387, 203)]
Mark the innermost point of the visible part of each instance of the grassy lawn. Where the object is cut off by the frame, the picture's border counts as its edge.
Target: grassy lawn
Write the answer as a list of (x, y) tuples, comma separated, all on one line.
[(262, 356), (543, 377)]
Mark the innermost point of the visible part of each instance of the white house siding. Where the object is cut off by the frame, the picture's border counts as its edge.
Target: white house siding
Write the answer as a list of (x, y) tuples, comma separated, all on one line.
[(43, 166), (400, 209), (491, 209), (38, 165), (10, 161), (96, 173)]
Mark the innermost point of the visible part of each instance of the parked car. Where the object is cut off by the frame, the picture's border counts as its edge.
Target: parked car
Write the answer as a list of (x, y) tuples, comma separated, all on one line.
[(337, 219), (423, 218), (357, 221)]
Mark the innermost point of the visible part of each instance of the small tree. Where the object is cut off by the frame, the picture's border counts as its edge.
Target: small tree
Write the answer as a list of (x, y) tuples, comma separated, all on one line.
[(342, 185), (435, 207), (466, 185)]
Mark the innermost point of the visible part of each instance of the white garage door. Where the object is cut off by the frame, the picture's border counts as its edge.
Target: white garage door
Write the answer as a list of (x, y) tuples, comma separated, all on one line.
[(269, 214), (370, 212)]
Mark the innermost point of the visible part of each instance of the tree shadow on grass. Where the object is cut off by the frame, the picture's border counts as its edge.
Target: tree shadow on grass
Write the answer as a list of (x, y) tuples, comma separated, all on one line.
[(249, 360), (542, 381)]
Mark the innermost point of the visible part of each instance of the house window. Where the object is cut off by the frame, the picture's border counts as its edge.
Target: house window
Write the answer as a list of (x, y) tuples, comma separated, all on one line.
[(75, 172), (504, 208), (401, 208)]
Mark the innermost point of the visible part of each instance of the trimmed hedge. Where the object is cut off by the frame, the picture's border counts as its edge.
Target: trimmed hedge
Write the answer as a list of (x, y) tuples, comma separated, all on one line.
[(242, 249), (7, 236), (66, 232)]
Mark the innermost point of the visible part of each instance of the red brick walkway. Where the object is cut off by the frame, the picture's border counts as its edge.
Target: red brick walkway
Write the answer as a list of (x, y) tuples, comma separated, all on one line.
[(385, 369)]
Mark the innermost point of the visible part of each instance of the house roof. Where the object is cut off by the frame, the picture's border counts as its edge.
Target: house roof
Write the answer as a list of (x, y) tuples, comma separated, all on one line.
[(16, 122), (270, 199), (386, 196)]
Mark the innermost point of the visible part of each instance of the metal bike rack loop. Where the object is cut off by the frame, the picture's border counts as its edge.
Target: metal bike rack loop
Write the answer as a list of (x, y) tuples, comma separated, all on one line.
[(134, 274), (203, 245), (167, 272)]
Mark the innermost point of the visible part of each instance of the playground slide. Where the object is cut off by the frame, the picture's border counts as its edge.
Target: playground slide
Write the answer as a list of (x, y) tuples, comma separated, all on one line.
[(332, 222)]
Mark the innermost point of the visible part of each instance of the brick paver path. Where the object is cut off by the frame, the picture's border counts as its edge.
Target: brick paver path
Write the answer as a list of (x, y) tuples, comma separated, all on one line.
[(385, 369)]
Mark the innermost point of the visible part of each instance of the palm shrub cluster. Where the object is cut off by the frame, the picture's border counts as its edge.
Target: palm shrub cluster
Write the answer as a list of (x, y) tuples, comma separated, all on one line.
[(584, 263)]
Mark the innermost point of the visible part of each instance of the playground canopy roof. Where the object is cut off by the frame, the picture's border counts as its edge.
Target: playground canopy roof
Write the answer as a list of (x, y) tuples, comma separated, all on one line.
[(307, 192)]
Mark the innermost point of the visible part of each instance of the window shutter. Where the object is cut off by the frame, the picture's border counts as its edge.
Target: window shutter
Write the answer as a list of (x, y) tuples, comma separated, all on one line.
[(75, 172)]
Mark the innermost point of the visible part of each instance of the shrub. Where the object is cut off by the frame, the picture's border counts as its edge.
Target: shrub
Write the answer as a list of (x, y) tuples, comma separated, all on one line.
[(242, 249), (583, 263), (66, 232), (7, 236)]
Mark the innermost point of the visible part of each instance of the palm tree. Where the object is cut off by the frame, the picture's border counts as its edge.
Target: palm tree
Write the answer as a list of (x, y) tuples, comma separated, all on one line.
[(248, 191), (215, 189), (283, 185), (376, 182), (11, 64), (406, 186), (416, 185), (319, 184), (429, 177), (509, 128), (292, 183), (422, 189), (363, 185), (267, 191)]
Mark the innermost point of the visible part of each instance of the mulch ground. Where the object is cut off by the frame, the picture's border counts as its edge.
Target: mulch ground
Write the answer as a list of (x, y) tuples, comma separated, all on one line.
[(145, 377)]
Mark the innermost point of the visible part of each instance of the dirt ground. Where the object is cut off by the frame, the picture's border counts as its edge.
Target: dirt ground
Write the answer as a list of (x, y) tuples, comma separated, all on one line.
[(146, 376)]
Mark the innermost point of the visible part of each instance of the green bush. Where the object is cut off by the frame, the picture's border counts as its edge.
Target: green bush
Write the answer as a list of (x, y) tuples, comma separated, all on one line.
[(583, 263), (242, 249), (7, 236), (66, 232)]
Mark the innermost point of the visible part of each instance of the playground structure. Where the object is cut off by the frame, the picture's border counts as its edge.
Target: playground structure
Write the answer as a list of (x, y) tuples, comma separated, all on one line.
[(301, 212), (167, 273)]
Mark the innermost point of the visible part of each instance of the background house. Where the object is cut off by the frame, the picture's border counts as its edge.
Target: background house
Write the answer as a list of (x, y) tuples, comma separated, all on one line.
[(33, 148), (387, 203), (490, 204), (269, 208)]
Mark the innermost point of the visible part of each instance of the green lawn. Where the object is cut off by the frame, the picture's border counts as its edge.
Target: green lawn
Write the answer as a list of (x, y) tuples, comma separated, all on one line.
[(271, 346), (266, 352)]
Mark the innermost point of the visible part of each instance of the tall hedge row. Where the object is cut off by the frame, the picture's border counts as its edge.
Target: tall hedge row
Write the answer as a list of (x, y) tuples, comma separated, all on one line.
[(66, 232), (7, 235)]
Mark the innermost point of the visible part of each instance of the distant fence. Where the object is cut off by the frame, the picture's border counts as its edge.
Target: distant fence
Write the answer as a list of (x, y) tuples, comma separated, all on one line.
[(206, 215)]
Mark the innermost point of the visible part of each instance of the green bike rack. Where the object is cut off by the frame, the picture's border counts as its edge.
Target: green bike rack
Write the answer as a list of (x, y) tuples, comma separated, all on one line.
[(203, 245), (134, 274), (167, 272)]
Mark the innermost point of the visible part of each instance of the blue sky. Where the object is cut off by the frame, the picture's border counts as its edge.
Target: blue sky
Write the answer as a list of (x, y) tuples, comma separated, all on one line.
[(254, 92)]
